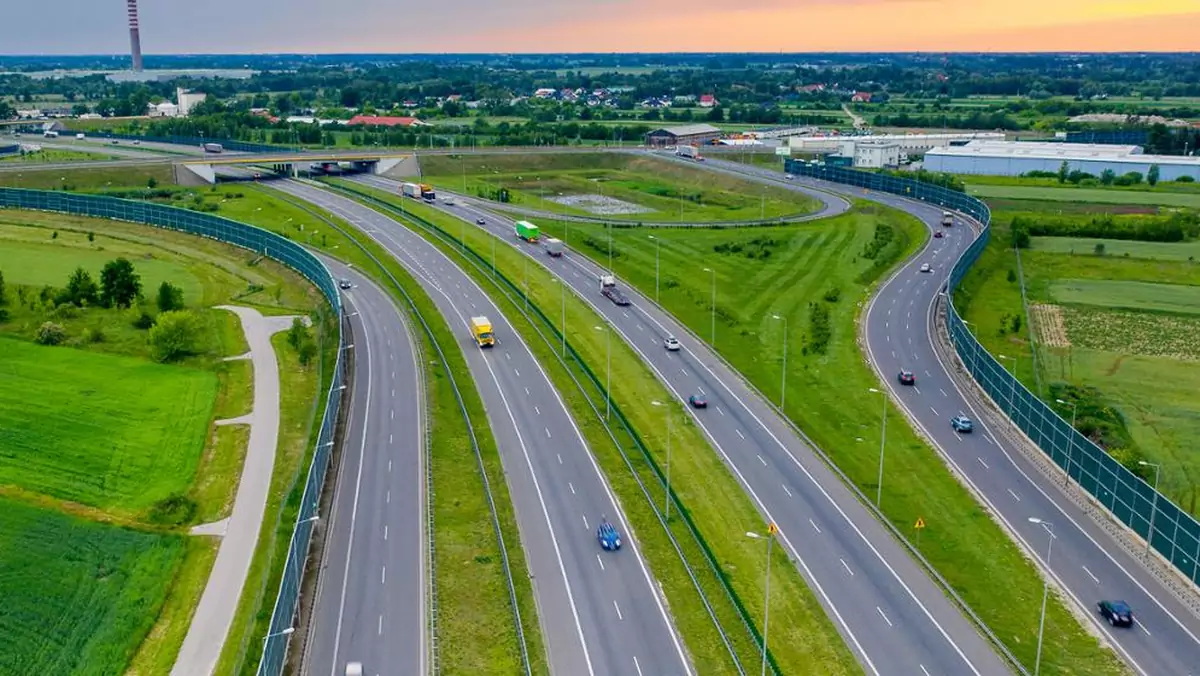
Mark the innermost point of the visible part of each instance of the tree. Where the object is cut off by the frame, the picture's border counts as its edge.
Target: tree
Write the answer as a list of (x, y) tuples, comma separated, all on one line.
[(1152, 175), (3, 299), (716, 114), (173, 336), (1063, 171), (1098, 249), (170, 297), (120, 285), (152, 183), (81, 289), (1107, 176), (297, 333)]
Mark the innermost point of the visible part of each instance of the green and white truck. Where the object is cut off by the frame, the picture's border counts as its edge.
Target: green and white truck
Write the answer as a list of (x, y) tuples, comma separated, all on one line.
[(526, 231)]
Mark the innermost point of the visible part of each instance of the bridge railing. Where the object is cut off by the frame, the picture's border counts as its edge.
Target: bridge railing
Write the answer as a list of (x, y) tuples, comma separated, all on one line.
[(194, 141), (1176, 534), (288, 253)]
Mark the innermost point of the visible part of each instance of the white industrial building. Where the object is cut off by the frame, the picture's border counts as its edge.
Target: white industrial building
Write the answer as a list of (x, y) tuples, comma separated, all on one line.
[(188, 100), (991, 158), (909, 144), (875, 154)]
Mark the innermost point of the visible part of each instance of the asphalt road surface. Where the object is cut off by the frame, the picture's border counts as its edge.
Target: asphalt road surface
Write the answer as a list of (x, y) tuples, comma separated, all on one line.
[(600, 612), (372, 589), (891, 614), (1087, 563)]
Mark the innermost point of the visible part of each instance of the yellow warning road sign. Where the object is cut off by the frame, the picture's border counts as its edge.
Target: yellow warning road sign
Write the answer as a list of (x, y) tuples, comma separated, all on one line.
[(772, 528), (920, 523)]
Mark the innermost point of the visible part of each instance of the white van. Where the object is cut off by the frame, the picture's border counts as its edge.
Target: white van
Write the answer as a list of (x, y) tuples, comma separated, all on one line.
[(354, 669), (79, 137)]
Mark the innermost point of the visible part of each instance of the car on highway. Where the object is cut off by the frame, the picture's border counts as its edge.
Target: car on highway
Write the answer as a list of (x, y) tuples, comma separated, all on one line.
[(788, 176), (479, 221), (907, 378), (962, 423), (1118, 613), (671, 344), (698, 401), (137, 142), (354, 669), (614, 294), (938, 234), (608, 536), (344, 284), (925, 267)]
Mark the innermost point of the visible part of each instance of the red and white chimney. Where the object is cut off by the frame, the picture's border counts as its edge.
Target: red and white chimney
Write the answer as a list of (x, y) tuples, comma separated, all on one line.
[(135, 40)]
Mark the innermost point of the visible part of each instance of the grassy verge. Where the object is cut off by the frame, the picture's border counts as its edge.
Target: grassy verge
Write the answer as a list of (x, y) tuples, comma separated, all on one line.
[(819, 276), (477, 633), (86, 178), (156, 655), (55, 155), (704, 485), (1099, 195)]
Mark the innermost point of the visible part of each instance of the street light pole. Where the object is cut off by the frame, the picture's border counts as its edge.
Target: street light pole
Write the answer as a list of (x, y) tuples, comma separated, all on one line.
[(656, 243), (608, 378), (713, 339), (1071, 442), (783, 371), (1153, 505), (882, 444), (667, 497), (1037, 664), (1012, 397), (770, 538)]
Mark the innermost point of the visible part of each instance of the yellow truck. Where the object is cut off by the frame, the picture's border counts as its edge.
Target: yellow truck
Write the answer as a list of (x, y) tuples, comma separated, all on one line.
[(481, 331)]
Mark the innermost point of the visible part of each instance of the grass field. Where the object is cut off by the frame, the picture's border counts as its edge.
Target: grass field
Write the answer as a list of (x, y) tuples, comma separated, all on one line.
[(55, 155), (715, 501), (1097, 195), (1176, 298), (78, 596), (1166, 251), (85, 178), (763, 272), (663, 190)]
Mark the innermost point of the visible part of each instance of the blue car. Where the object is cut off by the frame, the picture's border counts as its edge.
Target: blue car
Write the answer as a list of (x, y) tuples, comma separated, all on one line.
[(962, 424), (608, 536)]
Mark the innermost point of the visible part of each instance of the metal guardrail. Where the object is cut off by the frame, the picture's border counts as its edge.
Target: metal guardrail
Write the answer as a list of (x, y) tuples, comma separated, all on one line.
[(596, 399), (1128, 497), (195, 141), (286, 252)]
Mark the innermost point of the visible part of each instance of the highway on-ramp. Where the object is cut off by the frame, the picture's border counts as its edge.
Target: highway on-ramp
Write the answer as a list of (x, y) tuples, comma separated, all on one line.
[(893, 617), (372, 589), (600, 612)]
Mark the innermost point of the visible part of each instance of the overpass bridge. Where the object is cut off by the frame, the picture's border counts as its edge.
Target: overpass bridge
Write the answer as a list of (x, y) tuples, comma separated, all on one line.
[(204, 169)]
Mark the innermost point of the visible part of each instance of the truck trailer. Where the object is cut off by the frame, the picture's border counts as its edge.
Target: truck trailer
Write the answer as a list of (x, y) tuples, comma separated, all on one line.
[(554, 247), (213, 147), (526, 231), (947, 219), (410, 190), (690, 152), (481, 331)]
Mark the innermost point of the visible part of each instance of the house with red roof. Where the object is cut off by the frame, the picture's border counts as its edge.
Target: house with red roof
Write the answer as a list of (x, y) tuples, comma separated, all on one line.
[(708, 101), (861, 97), (385, 121)]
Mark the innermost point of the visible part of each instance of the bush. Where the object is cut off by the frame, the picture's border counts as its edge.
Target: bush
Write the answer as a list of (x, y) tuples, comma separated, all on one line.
[(81, 289), (50, 333), (120, 285), (1012, 276), (1098, 249), (832, 295), (819, 329), (3, 297), (90, 336), (175, 510), (1185, 179), (173, 336), (143, 321), (170, 297)]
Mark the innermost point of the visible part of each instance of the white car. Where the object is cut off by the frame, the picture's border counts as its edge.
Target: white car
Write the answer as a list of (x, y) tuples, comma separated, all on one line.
[(788, 176), (354, 669), (925, 267), (671, 344)]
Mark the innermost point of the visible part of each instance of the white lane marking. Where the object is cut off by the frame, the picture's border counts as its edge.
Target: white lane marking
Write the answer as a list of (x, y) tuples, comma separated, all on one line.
[(847, 567), (916, 389), (527, 391), (720, 411), (388, 498), (385, 532), (518, 372), (637, 666), (987, 438), (393, 414), (814, 525), (943, 392), (572, 487), (785, 490), (640, 327), (547, 432), (537, 410), (389, 465), (923, 669), (559, 458), (600, 561), (985, 465), (393, 394), (1089, 573), (934, 410), (379, 629), (618, 609), (1010, 492), (764, 462), (389, 438), (1142, 627), (585, 523), (507, 356), (383, 575), (740, 435), (885, 617)]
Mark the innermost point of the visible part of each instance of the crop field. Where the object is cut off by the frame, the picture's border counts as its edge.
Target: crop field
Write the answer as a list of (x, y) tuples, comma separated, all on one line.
[(1096, 195), (1177, 298), (79, 597), (1165, 251), (657, 190), (55, 155)]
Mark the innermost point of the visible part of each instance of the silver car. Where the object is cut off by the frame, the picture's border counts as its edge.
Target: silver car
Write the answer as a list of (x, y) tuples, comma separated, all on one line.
[(671, 344)]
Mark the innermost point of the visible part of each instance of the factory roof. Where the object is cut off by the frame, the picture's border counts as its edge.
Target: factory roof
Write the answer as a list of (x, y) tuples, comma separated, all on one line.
[(690, 130), (1060, 151)]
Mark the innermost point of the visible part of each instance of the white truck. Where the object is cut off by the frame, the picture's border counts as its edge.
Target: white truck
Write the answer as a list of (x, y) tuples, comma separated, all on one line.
[(947, 219), (554, 247), (690, 152), (50, 134), (410, 190)]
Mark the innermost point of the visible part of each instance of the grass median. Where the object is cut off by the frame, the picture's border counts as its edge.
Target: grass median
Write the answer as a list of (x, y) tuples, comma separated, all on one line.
[(819, 276), (476, 630), (801, 634)]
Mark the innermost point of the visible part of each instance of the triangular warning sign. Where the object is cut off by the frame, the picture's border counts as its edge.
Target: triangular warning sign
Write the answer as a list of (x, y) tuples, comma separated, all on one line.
[(920, 523), (772, 529)]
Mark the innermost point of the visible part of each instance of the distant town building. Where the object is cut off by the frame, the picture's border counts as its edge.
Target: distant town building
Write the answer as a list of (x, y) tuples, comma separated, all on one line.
[(708, 101), (910, 144), (691, 134), (861, 97), (164, 109), (385, 121), (187, 100)]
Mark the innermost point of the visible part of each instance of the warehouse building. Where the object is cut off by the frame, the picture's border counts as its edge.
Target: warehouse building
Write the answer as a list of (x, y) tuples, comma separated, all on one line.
[(687, 135), (910, 144), (1016, 158)]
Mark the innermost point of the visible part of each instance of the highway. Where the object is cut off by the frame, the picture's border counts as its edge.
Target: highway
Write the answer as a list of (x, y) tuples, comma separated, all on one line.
[(372, 589), (1087, 563), (600, 612), (891, 614)]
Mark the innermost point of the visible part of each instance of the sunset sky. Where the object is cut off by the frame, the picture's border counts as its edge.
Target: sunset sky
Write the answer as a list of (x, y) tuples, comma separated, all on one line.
[(239, 26)]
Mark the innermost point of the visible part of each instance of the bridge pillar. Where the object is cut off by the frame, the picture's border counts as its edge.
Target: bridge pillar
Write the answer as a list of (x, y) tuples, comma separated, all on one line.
[(195, 174)]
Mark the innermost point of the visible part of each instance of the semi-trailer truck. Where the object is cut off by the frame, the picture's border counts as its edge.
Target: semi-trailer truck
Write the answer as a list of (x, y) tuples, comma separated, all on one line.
[(526, 231), (690, 152), (947, 219), (212, 147), (554, 247), (410, 190), (481, 331), (427, 192)]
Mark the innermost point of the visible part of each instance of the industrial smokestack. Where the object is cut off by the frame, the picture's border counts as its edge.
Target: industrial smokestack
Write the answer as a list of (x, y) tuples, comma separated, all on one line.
[(135, 40)]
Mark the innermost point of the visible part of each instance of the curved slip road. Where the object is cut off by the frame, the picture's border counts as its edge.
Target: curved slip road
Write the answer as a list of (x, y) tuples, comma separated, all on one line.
[(891, 614), (601, 613), (1087, 563), (372, 588)]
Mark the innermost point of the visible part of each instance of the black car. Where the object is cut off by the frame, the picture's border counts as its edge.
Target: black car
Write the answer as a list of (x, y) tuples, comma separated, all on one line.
[(614, 294), (344, 284), (907, 378), (1118, 613), (698, 401), (479, 221), (938, 234)]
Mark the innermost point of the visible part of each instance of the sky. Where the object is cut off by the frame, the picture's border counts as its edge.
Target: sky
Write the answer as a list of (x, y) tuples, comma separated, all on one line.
[(397, 26)]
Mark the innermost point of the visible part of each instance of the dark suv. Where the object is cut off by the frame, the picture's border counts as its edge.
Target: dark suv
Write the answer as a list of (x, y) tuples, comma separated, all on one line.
[(1118, 613), (907, 378), (614, 294)]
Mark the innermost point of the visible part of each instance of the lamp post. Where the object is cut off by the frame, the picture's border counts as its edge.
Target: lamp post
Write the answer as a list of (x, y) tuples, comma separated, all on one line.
[(526, 283), (783, 371), (608, 225), (608, 378), (713, 339), (1012, 396), (1154, 503), (1071, 441), (562, 287), (1049, 528), (882, 443), (667, 499), (656, 243), (770, 538)]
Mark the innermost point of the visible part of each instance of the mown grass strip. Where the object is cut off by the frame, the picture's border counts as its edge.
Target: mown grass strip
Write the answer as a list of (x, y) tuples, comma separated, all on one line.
[(801, 634)]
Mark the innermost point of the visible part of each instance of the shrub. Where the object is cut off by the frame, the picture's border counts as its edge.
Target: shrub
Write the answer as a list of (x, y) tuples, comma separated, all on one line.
[(120, 285), (1098, 249), (1012, 276), (819, 329), (90, 336), (832, 295), (175, 510), (173, 336), (3, 298), (81, 289), (143, 321), (1185, 179), (91, 236), (50, 333), (170, 297)]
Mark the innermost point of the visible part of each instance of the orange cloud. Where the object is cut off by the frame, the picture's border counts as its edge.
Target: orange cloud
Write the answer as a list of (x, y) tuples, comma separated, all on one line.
[(862, 25)]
